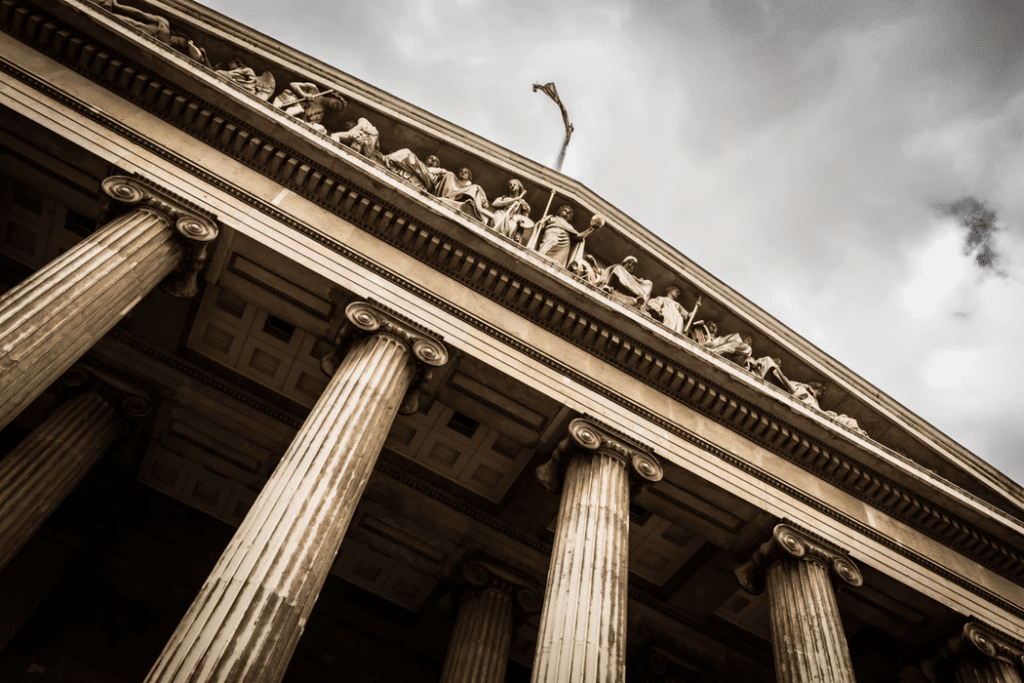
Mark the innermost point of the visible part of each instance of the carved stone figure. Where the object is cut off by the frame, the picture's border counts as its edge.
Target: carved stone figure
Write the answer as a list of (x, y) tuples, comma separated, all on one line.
[(769, 369), (618, 280), (512, 215), (560, 241), (305, 102), (732, 347), (459, 190), (156, 26), (405, 164), (807, 392), (667, 310), (362, 137), (587, 269), (846, 421), (262, 86)]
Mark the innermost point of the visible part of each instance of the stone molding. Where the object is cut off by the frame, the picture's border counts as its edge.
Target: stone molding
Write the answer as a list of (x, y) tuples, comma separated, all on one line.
[(196, 229), (230, 136), (789, 543), (483, 573), (589, 437)]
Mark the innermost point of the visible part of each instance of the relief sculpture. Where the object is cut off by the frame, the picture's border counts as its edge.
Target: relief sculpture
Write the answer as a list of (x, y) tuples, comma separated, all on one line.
[(512, 213), (619, 281), (554, 236), (261, 86)]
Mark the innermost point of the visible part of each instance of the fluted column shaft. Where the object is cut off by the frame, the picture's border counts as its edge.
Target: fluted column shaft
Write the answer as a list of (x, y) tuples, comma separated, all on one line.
[(583, 623), (807, 633), (478, 652), (808, 641), (582, 635), (247, 619), (44, 468), (987, 670), (48, 321)]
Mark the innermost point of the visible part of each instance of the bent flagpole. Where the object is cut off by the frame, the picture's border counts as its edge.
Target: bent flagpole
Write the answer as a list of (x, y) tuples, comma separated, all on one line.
[(552, 92)]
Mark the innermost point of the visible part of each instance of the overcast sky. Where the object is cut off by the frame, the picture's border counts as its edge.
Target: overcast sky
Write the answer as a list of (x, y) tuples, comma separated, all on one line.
[(825, 159)]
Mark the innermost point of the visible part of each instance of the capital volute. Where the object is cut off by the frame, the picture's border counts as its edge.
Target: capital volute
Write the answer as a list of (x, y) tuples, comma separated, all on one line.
[(130, 401), (196, 229), (586, 436), (369, 317), (790, 544), (188, 222), (481, 574)]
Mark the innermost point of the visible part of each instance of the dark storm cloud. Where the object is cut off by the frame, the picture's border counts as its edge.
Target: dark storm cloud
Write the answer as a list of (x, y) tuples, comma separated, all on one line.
[(979, 226)]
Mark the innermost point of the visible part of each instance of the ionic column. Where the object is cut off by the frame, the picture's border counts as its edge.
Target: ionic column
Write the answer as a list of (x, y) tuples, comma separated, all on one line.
[(46, 466), (976, 654), (807, 632), (478, 652), (52, 318), (582, 634), (247, 619)]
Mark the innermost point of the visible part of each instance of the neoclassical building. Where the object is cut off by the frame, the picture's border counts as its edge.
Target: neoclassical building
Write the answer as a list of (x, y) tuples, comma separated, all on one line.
[(289, 395)]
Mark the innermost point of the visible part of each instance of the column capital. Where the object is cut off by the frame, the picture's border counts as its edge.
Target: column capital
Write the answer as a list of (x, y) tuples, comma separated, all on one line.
[(129, 400), (973, 641), (189, 221), (190, 224), (482, 573), (588, 436), (789, 543), (361, 317)]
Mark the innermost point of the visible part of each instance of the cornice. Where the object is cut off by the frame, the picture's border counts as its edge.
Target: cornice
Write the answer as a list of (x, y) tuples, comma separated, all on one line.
[(938, 443), (361, 208)]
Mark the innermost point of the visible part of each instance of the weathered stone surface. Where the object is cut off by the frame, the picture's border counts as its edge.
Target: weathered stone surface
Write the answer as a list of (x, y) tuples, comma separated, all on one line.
[(975, 654), (52, 318), (582, 633), (250, 613), (807, 631), (47, 465), (478, 652)]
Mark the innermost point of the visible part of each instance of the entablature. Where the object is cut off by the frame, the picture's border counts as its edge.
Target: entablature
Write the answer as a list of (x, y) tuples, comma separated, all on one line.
[(553, 299)]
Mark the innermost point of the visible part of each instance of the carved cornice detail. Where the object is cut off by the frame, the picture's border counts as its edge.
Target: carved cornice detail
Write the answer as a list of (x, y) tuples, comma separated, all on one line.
[(234, 138), (483, 573), (588, 437), (788, 543)]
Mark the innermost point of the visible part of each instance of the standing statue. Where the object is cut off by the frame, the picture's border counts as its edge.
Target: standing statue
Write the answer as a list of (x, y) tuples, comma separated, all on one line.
[(362, 137), (559, 241), (512, 216), (619, 281), (156, 26), (305, 102), (245, 78), (459, 191), (669, 311)]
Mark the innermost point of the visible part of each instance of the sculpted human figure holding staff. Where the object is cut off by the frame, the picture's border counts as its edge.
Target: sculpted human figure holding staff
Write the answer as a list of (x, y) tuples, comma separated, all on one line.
[(558, 237)]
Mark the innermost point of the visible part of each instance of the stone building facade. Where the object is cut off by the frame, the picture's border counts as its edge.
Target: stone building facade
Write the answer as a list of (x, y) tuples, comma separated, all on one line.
[(288, 395)]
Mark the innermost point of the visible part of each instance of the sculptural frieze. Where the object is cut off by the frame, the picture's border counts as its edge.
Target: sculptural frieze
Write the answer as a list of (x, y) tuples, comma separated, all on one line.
[(156, 26), (620, 281), (307, 103), (458, 190), (669, 312), (512, 212), (261, 86), (554, 236), (362, 137)]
